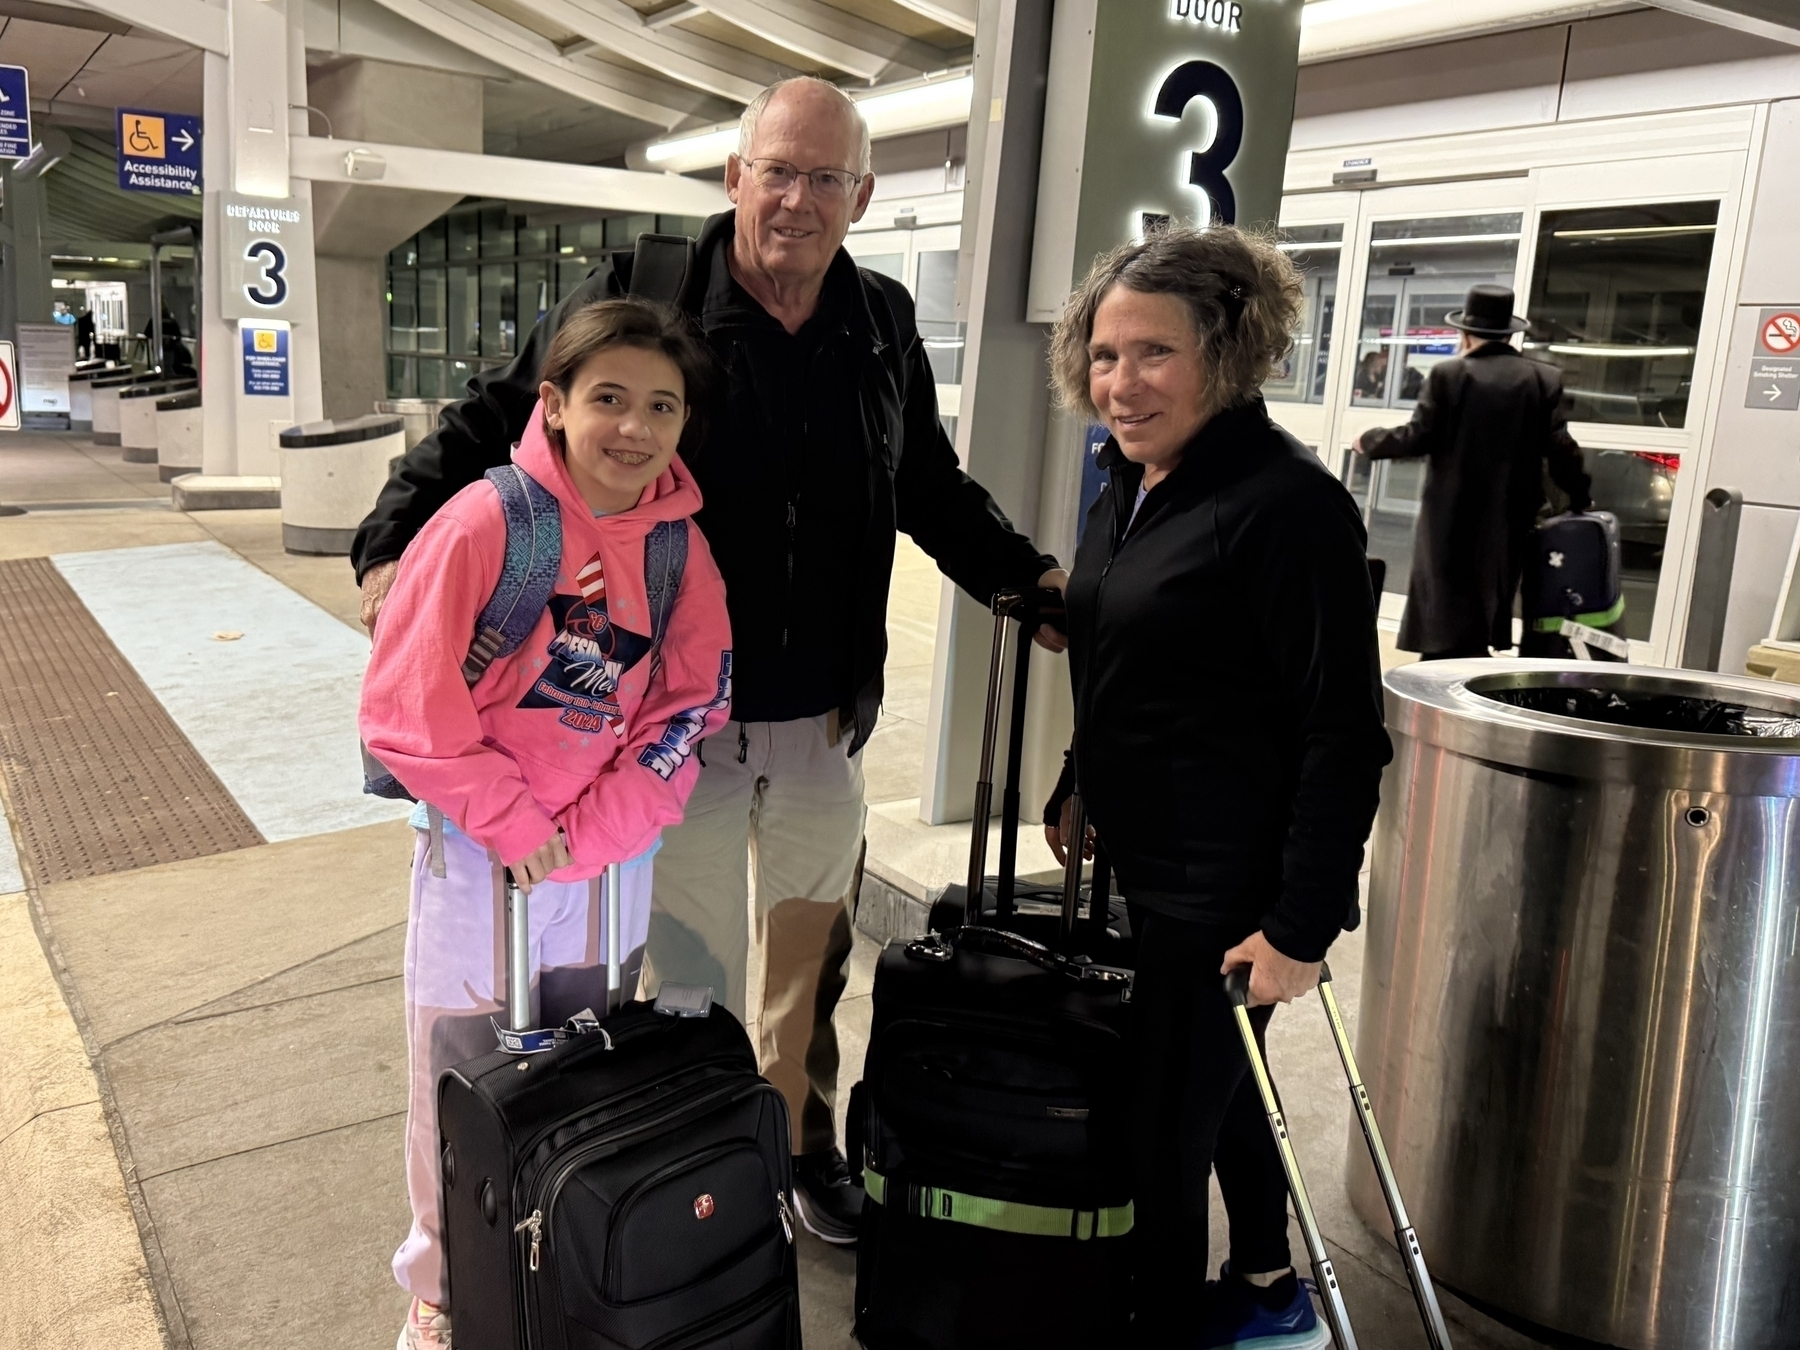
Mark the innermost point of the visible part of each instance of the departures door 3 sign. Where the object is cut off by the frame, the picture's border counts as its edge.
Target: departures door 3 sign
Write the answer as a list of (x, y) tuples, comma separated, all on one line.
[(1159, 111), (258, 253)]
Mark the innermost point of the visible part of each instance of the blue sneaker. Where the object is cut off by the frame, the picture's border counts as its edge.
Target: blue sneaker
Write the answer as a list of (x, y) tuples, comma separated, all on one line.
[(1235, 1319)]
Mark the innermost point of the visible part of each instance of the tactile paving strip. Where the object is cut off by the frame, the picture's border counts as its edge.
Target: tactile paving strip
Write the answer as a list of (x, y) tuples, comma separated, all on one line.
[(99, 779)]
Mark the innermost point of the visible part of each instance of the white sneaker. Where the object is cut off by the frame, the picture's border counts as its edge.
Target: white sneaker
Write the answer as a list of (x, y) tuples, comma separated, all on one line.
[(427, 1328)]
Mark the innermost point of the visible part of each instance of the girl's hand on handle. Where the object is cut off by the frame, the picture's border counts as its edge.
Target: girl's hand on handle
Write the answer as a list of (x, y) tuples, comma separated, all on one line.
[(538, 864), (1056, 834), (1274, 978)]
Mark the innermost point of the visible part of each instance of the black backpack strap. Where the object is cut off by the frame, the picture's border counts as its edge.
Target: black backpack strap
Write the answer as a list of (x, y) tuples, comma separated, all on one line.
[(659, 266)]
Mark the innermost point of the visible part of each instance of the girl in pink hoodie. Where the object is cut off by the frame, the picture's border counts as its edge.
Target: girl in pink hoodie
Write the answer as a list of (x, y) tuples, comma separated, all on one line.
[(569, 754)]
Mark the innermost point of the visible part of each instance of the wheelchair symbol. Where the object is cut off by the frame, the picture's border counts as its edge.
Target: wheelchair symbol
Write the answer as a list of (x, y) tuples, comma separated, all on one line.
[(145, 136)]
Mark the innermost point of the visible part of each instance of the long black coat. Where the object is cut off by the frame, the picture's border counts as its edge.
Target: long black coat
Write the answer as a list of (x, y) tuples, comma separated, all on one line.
[(1488, 422)]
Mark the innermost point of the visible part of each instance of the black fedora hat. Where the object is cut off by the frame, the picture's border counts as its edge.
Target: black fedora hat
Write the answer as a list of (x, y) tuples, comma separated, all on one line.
[(1487, 312)]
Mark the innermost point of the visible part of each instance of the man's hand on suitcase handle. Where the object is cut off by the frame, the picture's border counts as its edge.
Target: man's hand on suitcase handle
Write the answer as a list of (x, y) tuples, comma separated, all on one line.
[(1274, 978), (546, 858), (1051, 636)]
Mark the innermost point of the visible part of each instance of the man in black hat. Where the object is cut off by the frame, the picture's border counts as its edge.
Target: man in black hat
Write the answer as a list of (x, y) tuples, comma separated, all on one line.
[(1488, 420)]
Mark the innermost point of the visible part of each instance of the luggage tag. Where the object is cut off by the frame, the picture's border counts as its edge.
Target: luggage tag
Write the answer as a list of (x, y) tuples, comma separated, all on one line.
[(536, 1042), (684, 1000)]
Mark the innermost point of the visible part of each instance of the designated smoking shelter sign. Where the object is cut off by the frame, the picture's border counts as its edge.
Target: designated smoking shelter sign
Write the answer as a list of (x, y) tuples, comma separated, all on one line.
[(159, 152)]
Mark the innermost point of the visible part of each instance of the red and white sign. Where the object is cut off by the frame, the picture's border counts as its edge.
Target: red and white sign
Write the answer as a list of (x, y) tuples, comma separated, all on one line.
[(1781, 333), (9, 389)]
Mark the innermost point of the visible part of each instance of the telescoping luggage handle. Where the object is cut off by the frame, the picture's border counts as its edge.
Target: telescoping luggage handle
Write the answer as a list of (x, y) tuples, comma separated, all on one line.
[(1424, 1294), (1027, 609), (518, 1037), (1337, 1316)]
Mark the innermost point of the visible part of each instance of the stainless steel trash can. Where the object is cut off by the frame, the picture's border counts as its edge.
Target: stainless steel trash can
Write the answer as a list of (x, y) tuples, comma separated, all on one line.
[(419, 415), (1580, 1012)]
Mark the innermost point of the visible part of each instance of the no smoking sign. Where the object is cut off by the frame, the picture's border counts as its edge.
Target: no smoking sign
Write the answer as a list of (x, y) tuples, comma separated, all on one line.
[(1780, 333)]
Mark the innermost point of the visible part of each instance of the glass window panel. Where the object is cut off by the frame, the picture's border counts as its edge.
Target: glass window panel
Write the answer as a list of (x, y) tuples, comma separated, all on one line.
[(622, 231), (496, 232), (888, 264), (463, 311), (407, 255), (1418, 271), (464, 233), (936, 288), (1638, 487), (534, 294), (1315, 250), (499, 311), (535, 239), (1616, 301), (431, 242), (403, 311), (1393, 509), (570, 273), (432, 327), (431, 379), (402, 378)]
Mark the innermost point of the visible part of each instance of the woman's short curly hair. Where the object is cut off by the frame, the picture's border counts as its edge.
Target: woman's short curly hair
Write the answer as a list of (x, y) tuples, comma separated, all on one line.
[(1242, 296)]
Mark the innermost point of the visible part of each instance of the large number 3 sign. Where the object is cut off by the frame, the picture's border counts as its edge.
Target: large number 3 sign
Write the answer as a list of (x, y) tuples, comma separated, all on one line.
[(271, 288), (1206, 168)]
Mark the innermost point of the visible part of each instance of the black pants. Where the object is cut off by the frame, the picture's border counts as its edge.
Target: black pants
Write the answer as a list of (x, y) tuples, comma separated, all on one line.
[(1197, 1110)]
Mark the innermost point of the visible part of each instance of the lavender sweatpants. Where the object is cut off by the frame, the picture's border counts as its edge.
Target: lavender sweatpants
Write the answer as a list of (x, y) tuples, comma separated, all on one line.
[(456, 982)]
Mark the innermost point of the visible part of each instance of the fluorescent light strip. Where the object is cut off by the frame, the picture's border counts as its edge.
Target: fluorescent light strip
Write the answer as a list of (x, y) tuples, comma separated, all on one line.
[(1301, 248), (1430, 240), (918, 105), (1583, 349), (1634, 231)]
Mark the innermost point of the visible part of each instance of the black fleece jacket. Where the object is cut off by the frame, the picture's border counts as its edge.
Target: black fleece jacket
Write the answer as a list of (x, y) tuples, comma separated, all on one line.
[(1229, 735), (859, 440)]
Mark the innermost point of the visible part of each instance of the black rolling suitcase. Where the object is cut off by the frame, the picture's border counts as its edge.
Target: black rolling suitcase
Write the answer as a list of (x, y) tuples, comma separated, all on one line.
[(1033, 911), (619, 1184), (991, 1119)]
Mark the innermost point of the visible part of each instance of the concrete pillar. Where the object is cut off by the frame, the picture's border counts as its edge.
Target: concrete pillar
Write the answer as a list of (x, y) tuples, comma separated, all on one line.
[(25, 266), (1005, 411), (249, 118), (355, 225)]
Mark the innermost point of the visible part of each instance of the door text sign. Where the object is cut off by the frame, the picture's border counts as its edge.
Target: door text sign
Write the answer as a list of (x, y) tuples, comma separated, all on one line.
[(256, 255), (159, 152), (1177, 113)]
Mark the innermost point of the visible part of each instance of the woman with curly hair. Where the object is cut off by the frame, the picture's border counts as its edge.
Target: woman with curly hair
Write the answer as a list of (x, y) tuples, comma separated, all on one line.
[(1229, 738)]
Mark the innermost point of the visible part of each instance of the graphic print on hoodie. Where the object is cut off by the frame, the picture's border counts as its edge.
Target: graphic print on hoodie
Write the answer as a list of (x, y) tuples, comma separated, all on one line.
[(587, 655)]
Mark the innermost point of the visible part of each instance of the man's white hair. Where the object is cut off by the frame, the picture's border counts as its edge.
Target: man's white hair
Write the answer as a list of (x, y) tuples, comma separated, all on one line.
[(753, 113)]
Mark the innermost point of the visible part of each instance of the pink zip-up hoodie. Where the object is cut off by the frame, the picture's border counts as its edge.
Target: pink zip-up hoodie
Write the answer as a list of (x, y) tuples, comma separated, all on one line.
[(587, 726)]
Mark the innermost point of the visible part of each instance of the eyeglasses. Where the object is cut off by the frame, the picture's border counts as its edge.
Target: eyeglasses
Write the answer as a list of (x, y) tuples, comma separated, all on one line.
[(777, 175)]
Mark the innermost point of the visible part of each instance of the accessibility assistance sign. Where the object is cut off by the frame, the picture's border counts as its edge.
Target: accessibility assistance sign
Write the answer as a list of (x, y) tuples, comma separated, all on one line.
[(159, 152), (15, 112), (265, 361)]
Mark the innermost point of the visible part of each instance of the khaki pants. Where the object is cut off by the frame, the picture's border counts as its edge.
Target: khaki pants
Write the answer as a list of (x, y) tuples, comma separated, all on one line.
[(782, 800)]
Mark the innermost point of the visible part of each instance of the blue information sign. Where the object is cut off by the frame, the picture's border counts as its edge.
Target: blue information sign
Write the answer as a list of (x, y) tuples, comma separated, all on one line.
[(265, 361), (15, 112), (159, 152)]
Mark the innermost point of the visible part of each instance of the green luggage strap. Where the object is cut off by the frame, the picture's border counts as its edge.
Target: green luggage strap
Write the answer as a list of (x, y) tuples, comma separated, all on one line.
[(1604, 618), (1005, 1216)]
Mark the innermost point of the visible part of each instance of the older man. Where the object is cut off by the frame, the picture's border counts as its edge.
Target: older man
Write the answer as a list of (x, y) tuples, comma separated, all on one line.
[(824, 440)]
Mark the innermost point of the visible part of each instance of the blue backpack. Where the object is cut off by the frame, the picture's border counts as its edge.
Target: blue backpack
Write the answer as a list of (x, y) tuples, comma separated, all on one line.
[(527, 577)]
